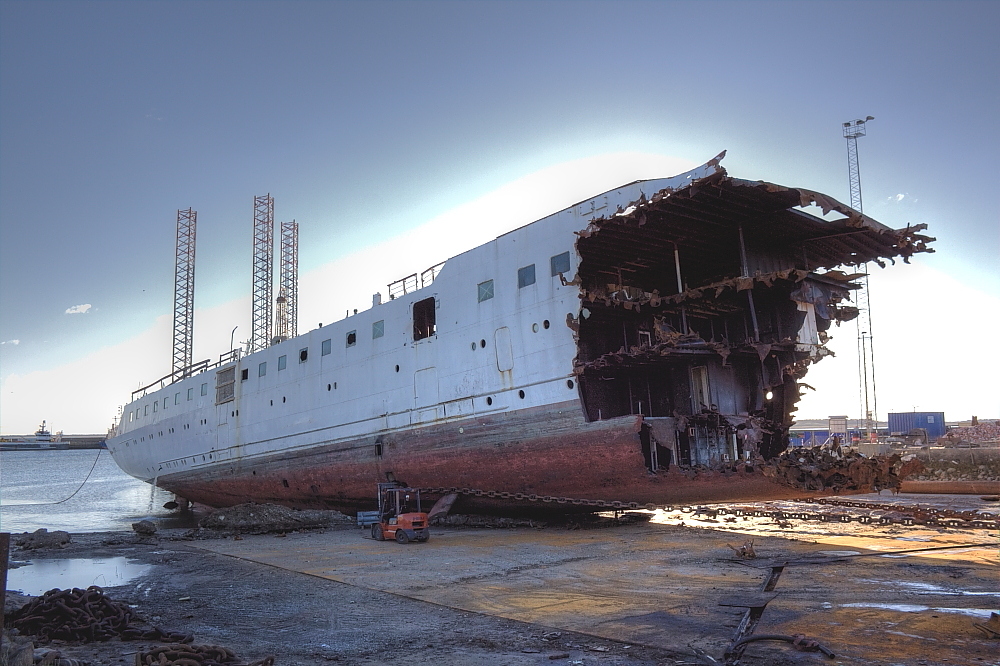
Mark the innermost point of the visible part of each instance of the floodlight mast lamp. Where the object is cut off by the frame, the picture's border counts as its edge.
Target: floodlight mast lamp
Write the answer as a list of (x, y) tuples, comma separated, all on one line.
[(866, 354)]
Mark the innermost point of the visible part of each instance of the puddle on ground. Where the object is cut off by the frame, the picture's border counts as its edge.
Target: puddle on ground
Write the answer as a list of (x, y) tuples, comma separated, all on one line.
[(981, 613), (927, 588), (40, 576)]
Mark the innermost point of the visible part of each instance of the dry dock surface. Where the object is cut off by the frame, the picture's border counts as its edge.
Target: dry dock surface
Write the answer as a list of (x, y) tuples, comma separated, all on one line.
[(646, 593)]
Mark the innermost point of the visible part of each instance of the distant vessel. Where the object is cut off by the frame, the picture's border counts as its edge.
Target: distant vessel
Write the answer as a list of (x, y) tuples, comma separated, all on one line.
[(42, 441), (643, 346)]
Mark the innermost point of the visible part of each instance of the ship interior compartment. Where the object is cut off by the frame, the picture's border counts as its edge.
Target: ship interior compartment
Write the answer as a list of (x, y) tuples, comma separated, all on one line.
[(701, 309)]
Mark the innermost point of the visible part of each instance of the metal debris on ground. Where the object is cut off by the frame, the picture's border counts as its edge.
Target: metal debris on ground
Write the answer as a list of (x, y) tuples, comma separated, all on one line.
[(194, 655), (823, 468), (746, 551), (991, 627), (252, 518), (84, 616), (799, 641)]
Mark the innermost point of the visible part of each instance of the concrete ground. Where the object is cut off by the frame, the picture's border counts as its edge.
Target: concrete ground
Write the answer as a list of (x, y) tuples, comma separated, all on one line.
[(660, 585)]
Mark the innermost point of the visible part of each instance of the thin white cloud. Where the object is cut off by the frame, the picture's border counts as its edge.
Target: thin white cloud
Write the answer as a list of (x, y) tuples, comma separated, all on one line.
[(11, 342), (83, 308)]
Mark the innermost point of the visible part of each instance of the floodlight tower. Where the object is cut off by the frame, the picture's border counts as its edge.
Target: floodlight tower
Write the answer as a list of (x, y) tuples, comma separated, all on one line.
[(183, 341), (866, 354), (263, 272), (289, 280)]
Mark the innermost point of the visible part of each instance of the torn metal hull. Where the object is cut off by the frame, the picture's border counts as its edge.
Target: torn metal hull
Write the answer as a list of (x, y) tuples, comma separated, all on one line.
[(645, 346)]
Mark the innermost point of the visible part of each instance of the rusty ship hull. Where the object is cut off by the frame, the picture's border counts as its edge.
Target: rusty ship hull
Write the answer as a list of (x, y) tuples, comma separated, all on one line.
[(646, 346)]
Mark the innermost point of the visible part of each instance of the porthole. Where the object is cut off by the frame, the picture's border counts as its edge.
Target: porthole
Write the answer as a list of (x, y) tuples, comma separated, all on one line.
[(473, 346), (397, 368), (329, 387), (569, 383), (545, 324), (520, 394), (272, 403), (284, 482), (534, 327), (489, 401), (335, 385), (282, 398), (482, 344)]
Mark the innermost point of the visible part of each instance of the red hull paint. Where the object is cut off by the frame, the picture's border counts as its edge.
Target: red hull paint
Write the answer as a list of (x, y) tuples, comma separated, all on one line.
[(542, 451)]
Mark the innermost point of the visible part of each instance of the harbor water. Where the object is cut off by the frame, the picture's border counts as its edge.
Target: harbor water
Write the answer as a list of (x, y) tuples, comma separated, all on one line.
[(37, 491)]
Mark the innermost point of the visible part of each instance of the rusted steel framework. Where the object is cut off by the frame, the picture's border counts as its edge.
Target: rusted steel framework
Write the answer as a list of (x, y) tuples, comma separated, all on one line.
[(868, 401), (289, 281), (666, 332), (183, 340), (263, 272)]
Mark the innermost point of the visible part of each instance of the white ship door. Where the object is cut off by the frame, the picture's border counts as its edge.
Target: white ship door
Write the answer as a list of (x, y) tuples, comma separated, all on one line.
[(505, 355), (425, 387), (425, 395)]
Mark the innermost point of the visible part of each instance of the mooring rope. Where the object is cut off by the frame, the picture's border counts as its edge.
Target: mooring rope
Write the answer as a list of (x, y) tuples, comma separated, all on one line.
[(92, 468)]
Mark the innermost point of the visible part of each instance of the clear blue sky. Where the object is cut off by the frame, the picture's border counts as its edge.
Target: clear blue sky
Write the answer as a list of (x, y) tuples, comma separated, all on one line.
[(365, 119)]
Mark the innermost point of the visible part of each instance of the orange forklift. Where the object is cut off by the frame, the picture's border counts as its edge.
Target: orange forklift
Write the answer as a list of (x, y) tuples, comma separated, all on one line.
[(399, 515)]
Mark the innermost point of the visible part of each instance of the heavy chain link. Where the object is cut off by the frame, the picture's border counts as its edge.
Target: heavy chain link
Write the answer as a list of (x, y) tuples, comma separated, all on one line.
[(912, 516)]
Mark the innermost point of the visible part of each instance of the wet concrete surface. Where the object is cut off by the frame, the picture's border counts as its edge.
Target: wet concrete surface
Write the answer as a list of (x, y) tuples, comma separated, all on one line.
[(659, 584)]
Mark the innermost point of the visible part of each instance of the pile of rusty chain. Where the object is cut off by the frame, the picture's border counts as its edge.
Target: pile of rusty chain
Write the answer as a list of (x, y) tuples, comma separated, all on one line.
[(83, 616), (193, 655), (901, 515)]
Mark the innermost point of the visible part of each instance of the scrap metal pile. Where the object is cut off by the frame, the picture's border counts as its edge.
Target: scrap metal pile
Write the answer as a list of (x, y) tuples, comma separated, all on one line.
[(193, 655), (820, 468), (84, 616)]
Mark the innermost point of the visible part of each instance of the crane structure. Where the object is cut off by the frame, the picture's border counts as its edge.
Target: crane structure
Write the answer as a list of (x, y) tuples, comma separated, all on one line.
[(288, 284), (183, 337), (263, 272), (853, 130)]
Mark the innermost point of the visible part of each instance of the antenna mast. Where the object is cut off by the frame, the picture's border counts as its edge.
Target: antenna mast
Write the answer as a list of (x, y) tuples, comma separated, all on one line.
[(866, 354), (183, 341), (263, 271), (289, 282)]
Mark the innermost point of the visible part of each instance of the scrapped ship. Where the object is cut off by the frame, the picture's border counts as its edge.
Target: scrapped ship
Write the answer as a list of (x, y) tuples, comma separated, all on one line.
[(646, 346)]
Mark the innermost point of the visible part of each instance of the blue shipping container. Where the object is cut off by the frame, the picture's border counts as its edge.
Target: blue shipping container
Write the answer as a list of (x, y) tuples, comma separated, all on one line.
[(932, 422)]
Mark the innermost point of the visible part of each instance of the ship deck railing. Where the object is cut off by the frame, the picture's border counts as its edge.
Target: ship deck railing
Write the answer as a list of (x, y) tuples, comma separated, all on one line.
[(231, 356)]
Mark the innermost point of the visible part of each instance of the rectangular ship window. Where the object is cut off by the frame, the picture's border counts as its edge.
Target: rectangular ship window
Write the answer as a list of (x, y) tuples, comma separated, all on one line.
[(424, 319), (378, 329), (560, 264), (155, 405), (485, 290), (325, 348), (190, 395), (244, 374), (146, 411), (166, 401), (262, 369), (525, 276), (352, 338), (282, 361), (177, 398), (204, 388)]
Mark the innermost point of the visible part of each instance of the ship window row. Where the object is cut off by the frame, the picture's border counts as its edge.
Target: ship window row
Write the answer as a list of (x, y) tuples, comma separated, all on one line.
[(134, 415), (558, 265)]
